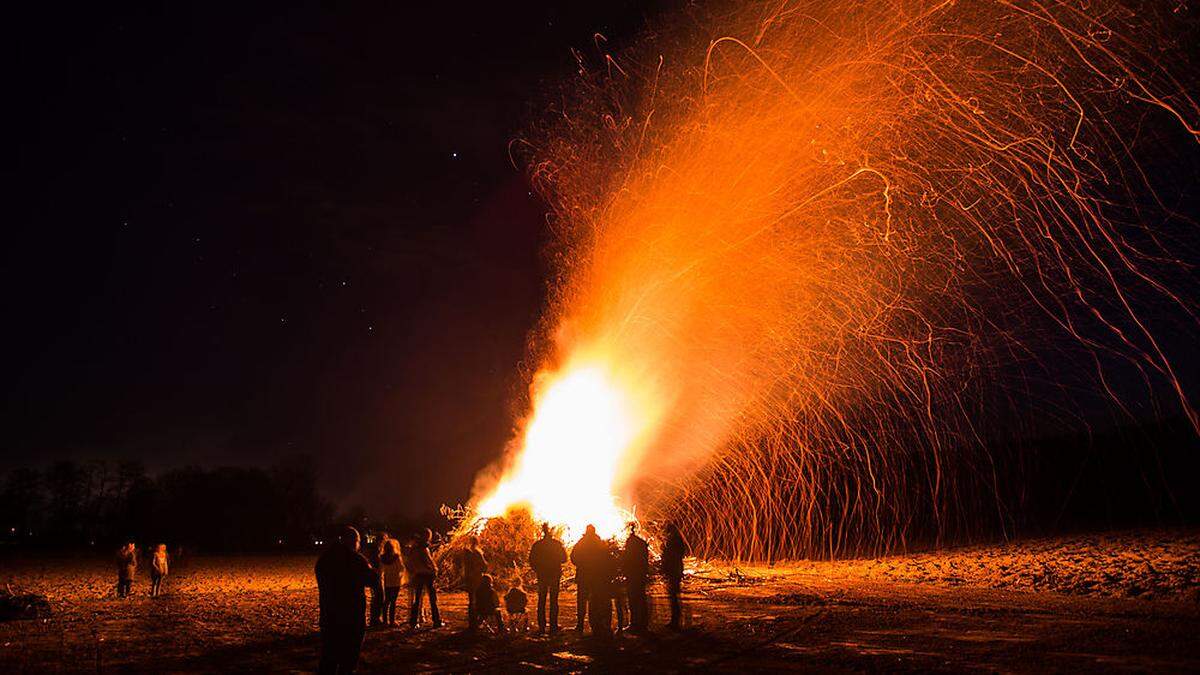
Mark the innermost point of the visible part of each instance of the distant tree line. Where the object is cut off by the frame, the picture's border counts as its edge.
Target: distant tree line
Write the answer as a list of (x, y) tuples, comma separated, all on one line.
[(99, 503)]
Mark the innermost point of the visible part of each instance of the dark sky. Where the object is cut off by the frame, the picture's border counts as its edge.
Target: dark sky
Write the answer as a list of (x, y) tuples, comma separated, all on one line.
[(247, 232), (243, 232)]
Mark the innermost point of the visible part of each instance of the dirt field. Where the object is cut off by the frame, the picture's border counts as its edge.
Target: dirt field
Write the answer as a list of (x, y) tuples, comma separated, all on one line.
[(1115, 602)]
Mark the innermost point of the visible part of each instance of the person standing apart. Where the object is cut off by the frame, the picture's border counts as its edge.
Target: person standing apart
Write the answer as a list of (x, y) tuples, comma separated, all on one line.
[(342, 574), (546, 557), (158, 570), (675, 549)]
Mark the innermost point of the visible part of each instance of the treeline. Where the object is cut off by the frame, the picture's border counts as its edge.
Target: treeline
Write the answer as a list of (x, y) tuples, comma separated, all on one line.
[(100, 503)]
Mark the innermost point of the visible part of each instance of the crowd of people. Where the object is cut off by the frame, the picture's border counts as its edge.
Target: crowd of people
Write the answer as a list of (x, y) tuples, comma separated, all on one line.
[(608, 577)]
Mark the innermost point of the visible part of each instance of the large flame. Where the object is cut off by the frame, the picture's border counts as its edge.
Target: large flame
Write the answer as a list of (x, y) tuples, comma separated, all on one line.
[(585, 424), (815, 260)]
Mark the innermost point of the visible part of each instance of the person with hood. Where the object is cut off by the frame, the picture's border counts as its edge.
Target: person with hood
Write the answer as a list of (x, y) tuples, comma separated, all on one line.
[(588, 556), (126, 569), (473, 567), (342, 574), (674, 550), (635, 564), (546, 557), (424, 573), (392, 566), (158, 569)]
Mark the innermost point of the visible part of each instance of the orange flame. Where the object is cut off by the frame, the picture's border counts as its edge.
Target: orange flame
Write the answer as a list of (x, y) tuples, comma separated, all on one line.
[(585, 425)]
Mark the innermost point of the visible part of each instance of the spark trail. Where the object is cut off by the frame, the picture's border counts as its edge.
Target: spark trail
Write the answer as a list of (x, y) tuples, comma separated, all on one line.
[(812, 255)]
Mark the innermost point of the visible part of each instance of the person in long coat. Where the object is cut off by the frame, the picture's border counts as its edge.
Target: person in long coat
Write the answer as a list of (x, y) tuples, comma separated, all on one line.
[(342, 575)]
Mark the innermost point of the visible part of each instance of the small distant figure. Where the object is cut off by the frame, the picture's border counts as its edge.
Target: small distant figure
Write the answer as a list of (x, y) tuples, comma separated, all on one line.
[(674, 550), (424, 572), (392, 565), (342, 574), (159, 568), (588, 556), (487, 605), (126, 569), (546, 557), (473, 567), (635, 564), (515, 603)]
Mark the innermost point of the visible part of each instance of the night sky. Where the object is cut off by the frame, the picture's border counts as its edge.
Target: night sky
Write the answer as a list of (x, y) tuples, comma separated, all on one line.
[(248, 232)]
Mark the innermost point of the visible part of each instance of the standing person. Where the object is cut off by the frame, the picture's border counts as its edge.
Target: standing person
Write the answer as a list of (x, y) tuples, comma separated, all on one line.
[(546, 557), (602, 580), (424, 572), (376, 589), (158, 570), (126, 568), (473, 567), (587, 555), (393, 573), (342, 574), (408, 557), (635, 564), (675, 549), (617, 586)]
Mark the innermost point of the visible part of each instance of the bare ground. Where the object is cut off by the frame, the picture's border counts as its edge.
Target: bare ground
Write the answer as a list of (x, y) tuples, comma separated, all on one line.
[(1114, 602)]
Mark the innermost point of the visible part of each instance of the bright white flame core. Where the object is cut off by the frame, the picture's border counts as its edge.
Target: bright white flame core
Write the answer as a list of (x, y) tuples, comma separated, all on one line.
[(583, 426)]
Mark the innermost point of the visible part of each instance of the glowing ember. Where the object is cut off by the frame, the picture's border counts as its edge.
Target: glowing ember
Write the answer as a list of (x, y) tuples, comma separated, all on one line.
[(583, 426), (817, 260)]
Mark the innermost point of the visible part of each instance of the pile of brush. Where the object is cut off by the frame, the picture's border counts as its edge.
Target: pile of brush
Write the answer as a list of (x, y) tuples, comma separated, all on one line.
[(505, 542), (15, 606)]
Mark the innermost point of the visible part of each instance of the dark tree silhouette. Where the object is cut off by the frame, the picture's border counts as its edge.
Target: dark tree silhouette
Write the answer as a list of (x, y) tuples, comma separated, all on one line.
[(222, 509)]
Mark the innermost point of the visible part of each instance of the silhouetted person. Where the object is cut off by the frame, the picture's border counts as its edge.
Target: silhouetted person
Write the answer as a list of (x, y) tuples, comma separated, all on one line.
[(635, 565), (674, 551), (546, 557), (393, 576), (515, 603), (342, 574), (487, 604), (620, 601), (588, 556), (158, 569), (377, 590), (473, 567), (126, 569), (424, 572), (602, 591)]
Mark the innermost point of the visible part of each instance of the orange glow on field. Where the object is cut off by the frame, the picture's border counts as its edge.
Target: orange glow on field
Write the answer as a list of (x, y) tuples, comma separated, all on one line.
[(583, 426)]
